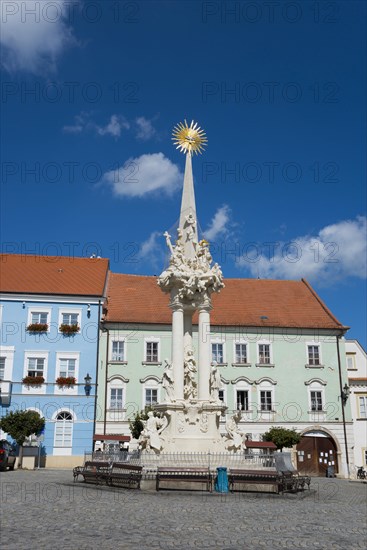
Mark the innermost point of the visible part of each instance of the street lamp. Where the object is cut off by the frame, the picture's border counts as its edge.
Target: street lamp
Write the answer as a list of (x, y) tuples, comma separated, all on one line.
[(345, 394), (88, 386)]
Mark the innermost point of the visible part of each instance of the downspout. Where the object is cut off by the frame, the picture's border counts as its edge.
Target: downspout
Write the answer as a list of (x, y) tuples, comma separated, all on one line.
[(342, 403), (105, 388), (96, 389)]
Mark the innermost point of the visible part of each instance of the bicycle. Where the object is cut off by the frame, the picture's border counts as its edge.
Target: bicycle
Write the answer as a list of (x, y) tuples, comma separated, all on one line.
[(361, 472)]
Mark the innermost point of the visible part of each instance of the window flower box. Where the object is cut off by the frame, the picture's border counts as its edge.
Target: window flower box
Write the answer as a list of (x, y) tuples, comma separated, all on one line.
[(69, 329), (37, 327), (65, 381), (33, 380)]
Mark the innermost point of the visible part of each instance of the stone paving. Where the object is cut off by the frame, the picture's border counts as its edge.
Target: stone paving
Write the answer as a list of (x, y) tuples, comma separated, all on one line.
[(44, 509)]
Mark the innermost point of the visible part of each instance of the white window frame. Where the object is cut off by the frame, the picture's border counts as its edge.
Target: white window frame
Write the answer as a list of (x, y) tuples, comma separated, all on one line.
[(320, 364), (117, 339), (223, 344), (351, 356), (8, 353), (114, 388), (316, 386), (151, 384), (248, 359), (271, 360), (317, 401), (38, 309), (268, 390), (68, 311), (248, 399), (153, 340), (266, 385), (72, 390), (38, 355), (364, 397)]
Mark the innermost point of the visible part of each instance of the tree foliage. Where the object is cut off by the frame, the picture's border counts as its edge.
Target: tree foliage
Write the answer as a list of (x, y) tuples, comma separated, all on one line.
[(21, 424), (282, 437)]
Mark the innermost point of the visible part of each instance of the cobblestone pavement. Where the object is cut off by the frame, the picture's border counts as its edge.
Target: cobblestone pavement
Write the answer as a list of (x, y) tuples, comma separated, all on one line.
[(45, 509)]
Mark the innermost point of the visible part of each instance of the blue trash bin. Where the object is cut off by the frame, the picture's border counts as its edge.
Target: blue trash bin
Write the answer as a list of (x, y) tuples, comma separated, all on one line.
[(221, 481)]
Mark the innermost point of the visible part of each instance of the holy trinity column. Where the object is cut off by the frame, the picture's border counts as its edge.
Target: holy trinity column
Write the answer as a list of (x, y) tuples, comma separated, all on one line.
[(192, 385)]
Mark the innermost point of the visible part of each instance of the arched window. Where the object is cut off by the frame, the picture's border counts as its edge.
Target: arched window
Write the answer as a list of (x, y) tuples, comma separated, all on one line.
[(64, 429)]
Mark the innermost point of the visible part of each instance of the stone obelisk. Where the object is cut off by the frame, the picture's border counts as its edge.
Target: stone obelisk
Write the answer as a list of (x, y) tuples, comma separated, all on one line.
[(191, 408)]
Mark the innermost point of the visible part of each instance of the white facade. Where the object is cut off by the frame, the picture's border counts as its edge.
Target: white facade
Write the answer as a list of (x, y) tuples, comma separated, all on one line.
[(356, 362)]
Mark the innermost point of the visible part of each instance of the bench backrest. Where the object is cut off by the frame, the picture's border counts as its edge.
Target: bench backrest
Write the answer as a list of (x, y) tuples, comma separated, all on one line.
[(90, 464), (128, 467), (183, 469)]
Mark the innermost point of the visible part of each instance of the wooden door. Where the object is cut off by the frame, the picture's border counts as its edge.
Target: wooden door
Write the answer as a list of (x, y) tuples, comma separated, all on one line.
[(315, 454)]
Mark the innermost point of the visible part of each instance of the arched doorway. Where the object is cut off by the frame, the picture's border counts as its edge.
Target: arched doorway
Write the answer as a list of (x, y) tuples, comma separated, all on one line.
[(316, 452)]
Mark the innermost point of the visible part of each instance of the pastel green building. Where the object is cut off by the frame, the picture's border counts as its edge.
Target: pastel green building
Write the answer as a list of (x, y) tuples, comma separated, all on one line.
[(280, 352)]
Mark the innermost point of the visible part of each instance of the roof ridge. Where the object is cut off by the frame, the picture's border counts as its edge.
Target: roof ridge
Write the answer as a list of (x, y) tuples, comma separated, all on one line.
[(59, 256), (322, 304)]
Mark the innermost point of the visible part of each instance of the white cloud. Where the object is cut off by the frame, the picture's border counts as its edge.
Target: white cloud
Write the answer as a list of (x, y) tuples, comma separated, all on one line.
[(219, 223), (80, 123), (153, 252), (145, 175), (337, 252), (145, 129), (34, 34), (114, 127), (83, 122)]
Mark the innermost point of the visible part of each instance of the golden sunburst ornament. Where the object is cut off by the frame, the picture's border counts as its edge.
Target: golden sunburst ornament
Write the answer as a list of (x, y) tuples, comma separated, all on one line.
[(189, 139)]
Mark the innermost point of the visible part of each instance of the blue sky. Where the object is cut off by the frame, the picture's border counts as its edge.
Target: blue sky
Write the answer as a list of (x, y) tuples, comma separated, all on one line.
[(91, 90)]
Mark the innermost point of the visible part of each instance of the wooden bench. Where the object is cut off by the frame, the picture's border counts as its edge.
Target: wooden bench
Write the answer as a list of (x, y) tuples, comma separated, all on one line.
[(254, 477), (195, 475), (123, 474), (93, 471)]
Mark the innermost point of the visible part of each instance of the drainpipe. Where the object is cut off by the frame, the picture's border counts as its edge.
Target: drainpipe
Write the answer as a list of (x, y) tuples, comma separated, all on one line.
[(96, 389), (105, 388), (342, 403)]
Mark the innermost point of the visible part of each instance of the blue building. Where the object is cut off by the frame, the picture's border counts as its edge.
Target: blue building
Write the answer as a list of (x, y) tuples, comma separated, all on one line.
[(49, 313)]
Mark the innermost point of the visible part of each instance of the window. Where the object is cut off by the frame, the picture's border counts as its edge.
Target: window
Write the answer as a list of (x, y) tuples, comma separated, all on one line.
[(2, 368), (316, 401), (313, 355), (362, 404), (70, 318), (242, 400), (241, 353), (151, 397), (264, 354), (265, 400), (64, 429), (151, 355), (116, 401), (36, 366), (221, 395), (39, 317), (351, 358), (67, 367), (217, 353), (118, 350)]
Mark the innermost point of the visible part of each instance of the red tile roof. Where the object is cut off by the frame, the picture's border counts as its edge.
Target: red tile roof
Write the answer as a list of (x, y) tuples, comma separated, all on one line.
[(243, 302), (260, 444), (33, 274)]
